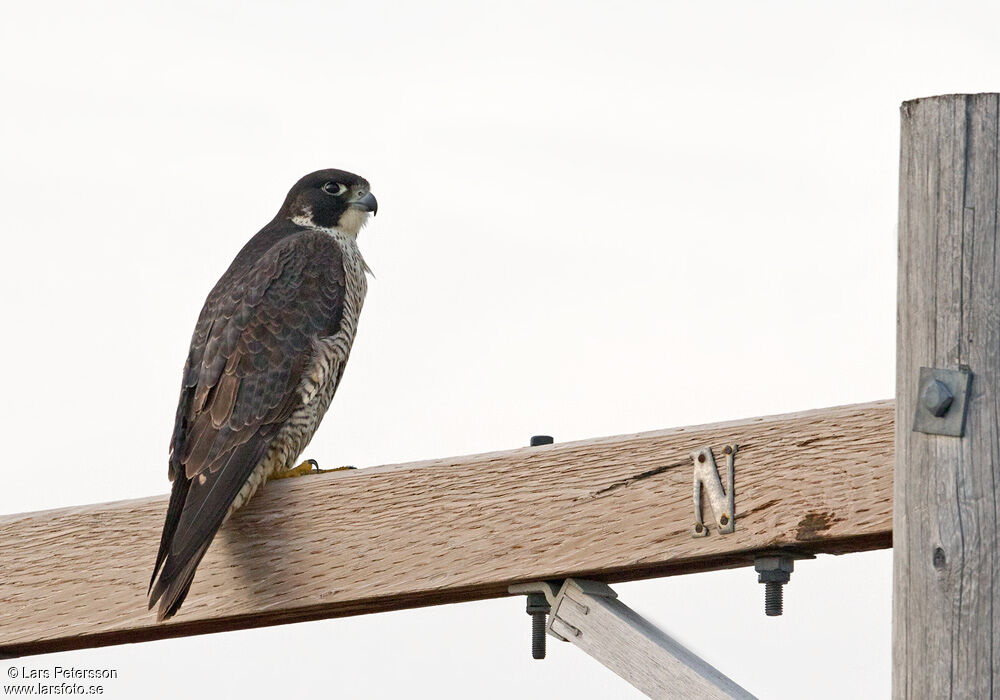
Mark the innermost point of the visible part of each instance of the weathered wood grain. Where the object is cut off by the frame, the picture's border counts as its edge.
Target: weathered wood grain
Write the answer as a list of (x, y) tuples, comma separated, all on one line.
[(451, 530), (946, 606)]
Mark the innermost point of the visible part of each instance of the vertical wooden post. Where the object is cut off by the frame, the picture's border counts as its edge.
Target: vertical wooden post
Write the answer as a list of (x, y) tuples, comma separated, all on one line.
[(946, 603)]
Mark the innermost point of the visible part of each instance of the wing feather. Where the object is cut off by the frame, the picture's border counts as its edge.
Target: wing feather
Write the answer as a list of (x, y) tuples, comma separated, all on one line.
[(250, 348)]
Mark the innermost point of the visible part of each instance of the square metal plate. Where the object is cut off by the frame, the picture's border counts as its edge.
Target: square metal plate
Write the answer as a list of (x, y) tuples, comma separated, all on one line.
[(953, 421)]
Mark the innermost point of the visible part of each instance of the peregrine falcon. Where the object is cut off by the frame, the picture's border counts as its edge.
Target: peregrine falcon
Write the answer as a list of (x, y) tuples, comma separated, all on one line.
[(267, 354)]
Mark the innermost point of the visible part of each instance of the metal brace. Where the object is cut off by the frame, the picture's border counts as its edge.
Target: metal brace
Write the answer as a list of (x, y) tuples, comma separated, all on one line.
[(589, 614), (557, 627), (942, 401), (541, 595), (722, 502)]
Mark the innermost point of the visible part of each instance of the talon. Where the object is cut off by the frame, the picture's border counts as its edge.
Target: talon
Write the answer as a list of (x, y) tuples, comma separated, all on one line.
[(310, 466), (335, 469)]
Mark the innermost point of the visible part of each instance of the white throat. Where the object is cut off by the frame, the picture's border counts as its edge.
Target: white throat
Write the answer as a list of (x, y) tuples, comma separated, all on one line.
[(352, 221)]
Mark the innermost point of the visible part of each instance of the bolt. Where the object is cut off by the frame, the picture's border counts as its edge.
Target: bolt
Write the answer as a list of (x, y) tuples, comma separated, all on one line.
[(538, 607), (538, 635), (774, 571), (773, 598), (937, 397)]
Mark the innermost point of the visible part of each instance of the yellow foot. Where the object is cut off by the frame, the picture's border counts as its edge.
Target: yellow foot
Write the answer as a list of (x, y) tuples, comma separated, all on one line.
[(310, 466)]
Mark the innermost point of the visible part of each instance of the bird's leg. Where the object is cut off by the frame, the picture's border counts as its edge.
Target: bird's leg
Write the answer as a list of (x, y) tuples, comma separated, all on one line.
[(300, 470), (310, 466)]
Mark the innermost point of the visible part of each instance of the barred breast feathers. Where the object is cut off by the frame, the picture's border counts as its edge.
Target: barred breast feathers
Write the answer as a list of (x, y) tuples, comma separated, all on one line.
[(319, 382), (330, 353)]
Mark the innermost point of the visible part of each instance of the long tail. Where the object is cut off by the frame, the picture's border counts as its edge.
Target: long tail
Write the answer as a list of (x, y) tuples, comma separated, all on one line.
[(172, 587), (174, 572), (196, 511)]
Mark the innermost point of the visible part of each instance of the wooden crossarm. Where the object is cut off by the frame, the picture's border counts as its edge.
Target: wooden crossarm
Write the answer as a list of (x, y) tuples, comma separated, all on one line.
[(455, 529)]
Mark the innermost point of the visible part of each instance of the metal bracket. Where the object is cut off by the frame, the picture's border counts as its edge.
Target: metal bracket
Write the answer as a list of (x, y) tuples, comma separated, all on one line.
[(706, 479), (589, 614), (942, 401), (558, 626), (540, 596), (551, 590)]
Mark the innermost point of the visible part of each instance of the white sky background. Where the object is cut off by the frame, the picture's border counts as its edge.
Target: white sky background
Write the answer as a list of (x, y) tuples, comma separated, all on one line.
[(595, 219)]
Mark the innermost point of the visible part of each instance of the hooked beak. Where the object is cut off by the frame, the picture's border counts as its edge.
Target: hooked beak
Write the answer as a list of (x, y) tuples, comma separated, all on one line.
[(367, 203)]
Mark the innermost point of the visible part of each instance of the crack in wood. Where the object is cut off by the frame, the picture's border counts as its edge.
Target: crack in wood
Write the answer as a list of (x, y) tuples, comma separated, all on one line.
[(757, 509), (628, 481)]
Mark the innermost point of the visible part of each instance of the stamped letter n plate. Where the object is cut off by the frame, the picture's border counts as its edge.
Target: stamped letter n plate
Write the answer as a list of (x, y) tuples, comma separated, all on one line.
[(707, 482)]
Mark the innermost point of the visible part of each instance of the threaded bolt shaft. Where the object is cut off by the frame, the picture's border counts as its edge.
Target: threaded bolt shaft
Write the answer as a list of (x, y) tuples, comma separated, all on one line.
[(773, 598), (537, 604), (538, 635)]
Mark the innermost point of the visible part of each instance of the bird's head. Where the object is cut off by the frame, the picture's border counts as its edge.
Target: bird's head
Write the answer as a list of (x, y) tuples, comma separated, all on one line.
[(330, 199)]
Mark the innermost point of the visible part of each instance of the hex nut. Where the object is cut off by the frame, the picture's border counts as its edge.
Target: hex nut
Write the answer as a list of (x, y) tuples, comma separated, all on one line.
[(937, 397)]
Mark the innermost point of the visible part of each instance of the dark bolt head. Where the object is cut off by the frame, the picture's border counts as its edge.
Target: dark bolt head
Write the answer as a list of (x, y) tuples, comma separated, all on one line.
[(773, 577), (698, 527), (536, 603), (936, 397), (773, 563), (701, 457), (724, 520), (537, 440)]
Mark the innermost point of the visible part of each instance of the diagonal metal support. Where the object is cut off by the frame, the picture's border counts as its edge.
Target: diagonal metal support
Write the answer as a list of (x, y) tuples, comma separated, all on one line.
[(589, 614)]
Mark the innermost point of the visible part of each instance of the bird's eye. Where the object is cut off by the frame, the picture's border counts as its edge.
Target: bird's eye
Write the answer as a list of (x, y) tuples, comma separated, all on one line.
[(334, 188)]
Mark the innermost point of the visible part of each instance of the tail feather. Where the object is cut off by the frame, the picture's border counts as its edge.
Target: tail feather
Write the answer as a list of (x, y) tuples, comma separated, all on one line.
[(171, 588), (196, 511), (178, 494)]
